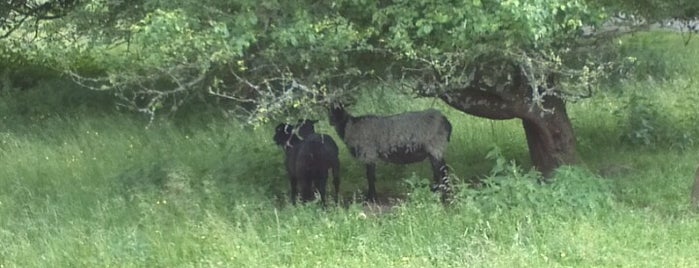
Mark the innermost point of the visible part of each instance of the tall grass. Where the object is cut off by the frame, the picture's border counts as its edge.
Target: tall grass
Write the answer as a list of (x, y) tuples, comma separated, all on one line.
[(105, 189)]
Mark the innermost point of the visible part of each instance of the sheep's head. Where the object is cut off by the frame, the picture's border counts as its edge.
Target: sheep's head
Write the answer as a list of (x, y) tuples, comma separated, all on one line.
[(305, 127), (282, 134)]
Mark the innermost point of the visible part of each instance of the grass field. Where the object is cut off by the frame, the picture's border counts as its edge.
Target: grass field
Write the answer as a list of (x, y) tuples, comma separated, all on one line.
[(100, 189)]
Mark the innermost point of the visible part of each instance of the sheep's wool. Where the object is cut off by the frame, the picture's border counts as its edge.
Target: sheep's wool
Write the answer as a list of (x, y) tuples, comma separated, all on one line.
[(373, 137)]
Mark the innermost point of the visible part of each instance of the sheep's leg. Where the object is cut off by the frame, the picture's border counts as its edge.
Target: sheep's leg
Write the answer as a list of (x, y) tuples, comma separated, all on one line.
[(440, 173), (307, 189), (294, 189), (371, 179), (322, 183), (336, 179)]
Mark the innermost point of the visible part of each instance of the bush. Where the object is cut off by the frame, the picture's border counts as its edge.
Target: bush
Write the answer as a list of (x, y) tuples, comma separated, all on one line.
[(645, 123), (664, 61), (508, 189)]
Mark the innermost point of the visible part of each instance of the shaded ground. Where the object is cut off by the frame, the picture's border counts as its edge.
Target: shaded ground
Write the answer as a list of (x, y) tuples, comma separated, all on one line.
[(385, 203)]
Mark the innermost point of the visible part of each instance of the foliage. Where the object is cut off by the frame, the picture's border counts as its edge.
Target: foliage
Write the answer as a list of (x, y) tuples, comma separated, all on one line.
[(650, 116), (644, 121), (508, 188), (14, 13), (646, 124), (669, 61), (275, 56)]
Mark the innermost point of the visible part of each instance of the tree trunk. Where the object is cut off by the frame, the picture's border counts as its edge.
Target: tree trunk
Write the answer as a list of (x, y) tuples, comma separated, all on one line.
[(550, 138), (499, 88), (550, 135)]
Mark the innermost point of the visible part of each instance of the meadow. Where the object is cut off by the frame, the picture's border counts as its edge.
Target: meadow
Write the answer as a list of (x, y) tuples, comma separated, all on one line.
[(84, 186)]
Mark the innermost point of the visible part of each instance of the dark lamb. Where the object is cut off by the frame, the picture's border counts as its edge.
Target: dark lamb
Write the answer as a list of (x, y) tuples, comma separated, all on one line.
[(400, 139), (308, 157)]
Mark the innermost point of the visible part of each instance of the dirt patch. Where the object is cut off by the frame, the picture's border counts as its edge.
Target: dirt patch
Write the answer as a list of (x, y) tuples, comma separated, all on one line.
[(384, 203), (614, 170)]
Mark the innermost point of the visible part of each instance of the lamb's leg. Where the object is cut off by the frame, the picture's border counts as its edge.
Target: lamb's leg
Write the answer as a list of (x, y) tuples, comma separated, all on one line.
[(371, 179), (321, 185), (294, 189), (440, 173), (336, 179), (307, 189)]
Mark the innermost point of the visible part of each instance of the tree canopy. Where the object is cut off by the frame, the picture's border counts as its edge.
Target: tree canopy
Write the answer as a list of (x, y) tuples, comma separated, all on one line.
[(276, 54), (262, 51)]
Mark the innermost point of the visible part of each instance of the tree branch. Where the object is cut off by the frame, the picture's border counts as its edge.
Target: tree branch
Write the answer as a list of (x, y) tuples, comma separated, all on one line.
[(481, 103), (14, 27)]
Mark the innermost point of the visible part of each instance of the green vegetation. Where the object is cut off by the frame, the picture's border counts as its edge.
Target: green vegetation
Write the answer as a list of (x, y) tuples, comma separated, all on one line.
[(266, 58), (85, 186)]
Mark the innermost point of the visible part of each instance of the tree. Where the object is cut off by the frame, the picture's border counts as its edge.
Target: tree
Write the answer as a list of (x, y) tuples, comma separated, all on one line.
[(493, 59), (498, 59)]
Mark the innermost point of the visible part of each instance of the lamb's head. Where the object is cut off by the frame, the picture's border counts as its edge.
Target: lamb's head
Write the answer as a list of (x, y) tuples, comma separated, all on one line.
[(337, 115), (305, 127), (283, 134)]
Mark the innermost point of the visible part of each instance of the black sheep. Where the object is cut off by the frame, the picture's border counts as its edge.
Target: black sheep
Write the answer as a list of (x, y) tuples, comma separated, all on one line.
[(308, 157), (400, 139)]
